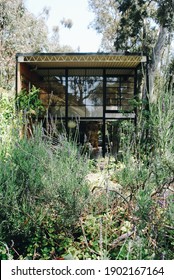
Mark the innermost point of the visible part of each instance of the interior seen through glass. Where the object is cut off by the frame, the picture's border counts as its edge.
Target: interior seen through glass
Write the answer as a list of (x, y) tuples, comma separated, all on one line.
[(90, 99)]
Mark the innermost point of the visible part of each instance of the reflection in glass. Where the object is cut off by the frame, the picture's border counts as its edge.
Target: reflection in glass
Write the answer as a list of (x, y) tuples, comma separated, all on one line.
[(94, 111), (76, 111), (53, 95), (85, 93), (119, 93), (57, 110)]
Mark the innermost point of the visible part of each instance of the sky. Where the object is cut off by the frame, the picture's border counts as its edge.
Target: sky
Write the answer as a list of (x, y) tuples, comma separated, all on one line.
[(79, 37)]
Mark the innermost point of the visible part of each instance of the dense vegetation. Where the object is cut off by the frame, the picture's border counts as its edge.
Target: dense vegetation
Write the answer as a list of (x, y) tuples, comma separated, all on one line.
[(48, 208)]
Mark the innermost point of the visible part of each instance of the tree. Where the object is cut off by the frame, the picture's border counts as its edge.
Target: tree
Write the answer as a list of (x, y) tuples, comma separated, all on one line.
[(54, 44), (141, 25), (106, 21), (67, 23), (20, 31)]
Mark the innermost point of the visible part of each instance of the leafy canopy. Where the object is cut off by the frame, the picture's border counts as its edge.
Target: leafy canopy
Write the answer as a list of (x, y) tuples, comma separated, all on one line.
[(131, 25)]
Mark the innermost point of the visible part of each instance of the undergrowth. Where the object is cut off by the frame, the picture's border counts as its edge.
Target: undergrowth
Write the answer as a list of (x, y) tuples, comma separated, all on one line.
[(49, 211), (42, 192)]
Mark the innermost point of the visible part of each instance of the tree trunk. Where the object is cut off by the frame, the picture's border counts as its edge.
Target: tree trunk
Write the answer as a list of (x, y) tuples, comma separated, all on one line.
[(156, 59)]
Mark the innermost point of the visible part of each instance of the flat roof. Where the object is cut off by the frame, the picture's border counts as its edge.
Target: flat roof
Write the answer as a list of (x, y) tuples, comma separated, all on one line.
[(81, 60)]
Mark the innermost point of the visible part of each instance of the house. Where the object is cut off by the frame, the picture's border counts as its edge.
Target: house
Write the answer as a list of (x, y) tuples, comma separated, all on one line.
[(94, 91)]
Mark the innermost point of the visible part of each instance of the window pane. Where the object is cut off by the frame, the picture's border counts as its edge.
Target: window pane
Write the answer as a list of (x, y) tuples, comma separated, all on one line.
[(76, 111), (85, 96), (94, 111), (119, 93), (53, 94), (85, 90)]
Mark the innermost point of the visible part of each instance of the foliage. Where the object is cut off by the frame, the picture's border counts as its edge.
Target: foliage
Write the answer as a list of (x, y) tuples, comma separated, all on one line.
[(21, 32), (7, 109), (148, 176), (144, 233), (5, 252), (141, 20), (136, 26), (131, 25), (106, 21), (96, 233), (41, 186), (67, 23), (47, 210), (29, 102)]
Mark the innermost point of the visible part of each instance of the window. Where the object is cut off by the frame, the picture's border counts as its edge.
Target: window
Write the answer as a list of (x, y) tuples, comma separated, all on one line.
[(119, 93), (85, 96)]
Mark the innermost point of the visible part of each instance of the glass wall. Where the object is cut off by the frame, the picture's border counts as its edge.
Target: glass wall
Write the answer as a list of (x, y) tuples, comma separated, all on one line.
[(80, 93), (53, 95), (57, 101), (119, 93), (85, 96), (88, 101)]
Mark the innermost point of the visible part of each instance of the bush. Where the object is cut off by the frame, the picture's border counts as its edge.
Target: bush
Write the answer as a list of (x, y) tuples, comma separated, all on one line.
[(147, 175), (7, 112), (47, 212), (39, 183)]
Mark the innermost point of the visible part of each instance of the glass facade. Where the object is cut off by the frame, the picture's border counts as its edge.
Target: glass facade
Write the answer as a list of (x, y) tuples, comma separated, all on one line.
[(85, 96), (53, 94), (119, 93), (89, 99)]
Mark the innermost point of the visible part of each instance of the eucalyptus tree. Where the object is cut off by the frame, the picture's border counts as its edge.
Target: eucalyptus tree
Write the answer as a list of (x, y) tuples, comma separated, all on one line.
[(20, 31), (141, 25), (105, 22)]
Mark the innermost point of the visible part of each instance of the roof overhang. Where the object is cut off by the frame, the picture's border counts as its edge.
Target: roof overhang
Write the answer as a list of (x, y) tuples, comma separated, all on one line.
[(81, 60)]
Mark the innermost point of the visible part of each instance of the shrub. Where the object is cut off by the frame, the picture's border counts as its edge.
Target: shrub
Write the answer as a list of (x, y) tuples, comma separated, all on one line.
[(39, 181)]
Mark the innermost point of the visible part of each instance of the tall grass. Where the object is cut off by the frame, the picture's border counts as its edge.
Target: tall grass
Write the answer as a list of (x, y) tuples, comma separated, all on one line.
[(39, 182), (147, 175), (43, 193)]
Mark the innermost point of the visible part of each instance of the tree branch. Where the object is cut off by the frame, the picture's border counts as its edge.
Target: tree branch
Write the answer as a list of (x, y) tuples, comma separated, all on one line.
[(112, 190), (121, 238), (167, 184)]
